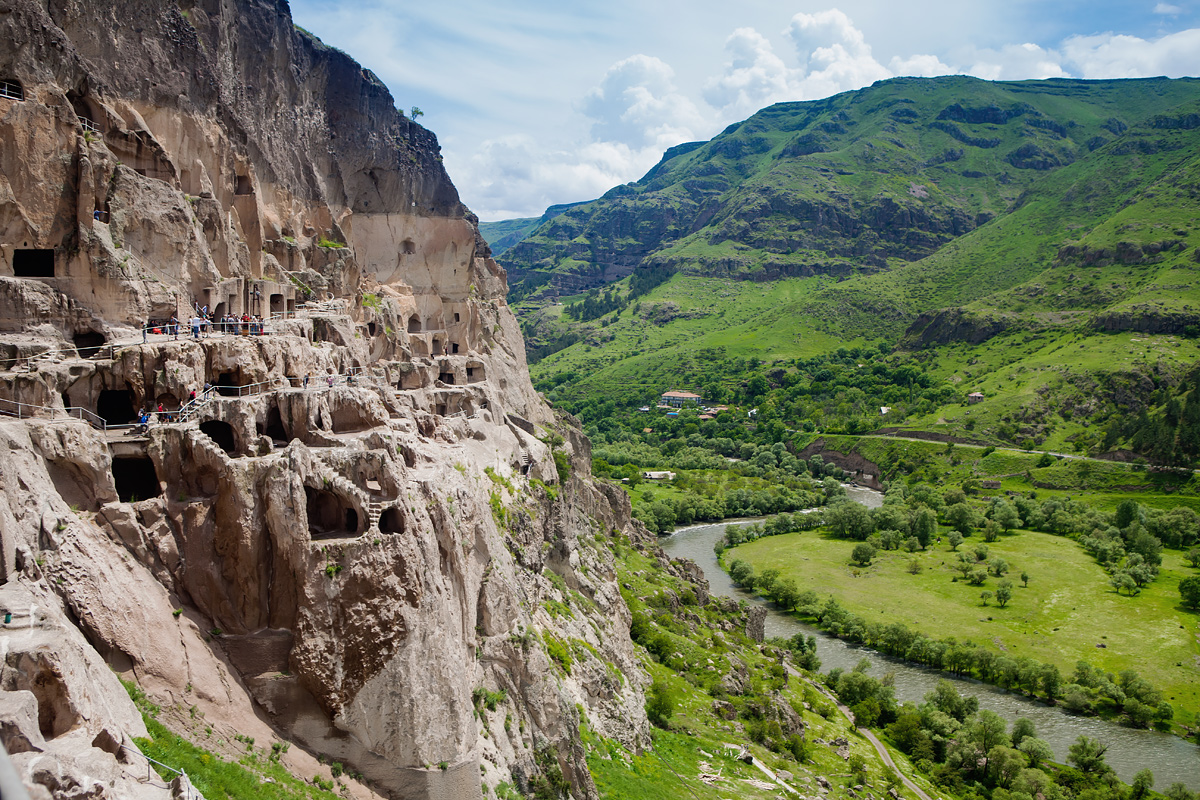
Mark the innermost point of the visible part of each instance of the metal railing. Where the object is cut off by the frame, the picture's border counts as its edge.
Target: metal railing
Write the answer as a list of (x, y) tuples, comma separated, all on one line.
[(11, 90), (189, 790), (14, 408)]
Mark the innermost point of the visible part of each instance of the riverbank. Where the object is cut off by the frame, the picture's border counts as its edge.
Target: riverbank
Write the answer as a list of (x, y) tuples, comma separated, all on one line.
[(1172, 759), (1066, 613)]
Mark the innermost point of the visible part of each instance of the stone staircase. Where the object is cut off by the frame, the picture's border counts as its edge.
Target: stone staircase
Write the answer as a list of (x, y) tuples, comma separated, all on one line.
[(374, 511)]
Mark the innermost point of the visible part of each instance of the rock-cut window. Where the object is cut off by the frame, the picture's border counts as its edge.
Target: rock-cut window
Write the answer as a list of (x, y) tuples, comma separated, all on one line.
[(12, 89)]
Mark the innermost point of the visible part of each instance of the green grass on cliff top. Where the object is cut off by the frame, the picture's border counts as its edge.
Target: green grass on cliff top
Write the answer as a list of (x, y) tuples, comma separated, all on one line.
[(1066, 613)]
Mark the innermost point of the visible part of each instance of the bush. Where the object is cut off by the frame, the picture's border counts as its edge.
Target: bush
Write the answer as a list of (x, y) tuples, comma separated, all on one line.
[(660, 703)]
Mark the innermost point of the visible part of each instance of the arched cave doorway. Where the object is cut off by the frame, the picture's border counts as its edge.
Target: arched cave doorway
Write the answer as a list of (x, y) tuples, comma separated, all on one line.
[(115, 406), (414, 324), (228, 384), (329, 514), (221, 433), (136, 479), (274, 427), (88, 343), (391, 520)]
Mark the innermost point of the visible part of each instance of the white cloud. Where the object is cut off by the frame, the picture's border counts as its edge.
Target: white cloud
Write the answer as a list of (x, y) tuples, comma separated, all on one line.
[(921, 66), (754, 76), (1166, 9), (1013, 62), (637, 104), (517, 176), (837, 57), (1113, 56)]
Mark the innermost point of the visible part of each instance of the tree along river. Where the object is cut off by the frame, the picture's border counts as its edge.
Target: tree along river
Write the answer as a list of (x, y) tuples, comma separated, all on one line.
[(1170, 758)]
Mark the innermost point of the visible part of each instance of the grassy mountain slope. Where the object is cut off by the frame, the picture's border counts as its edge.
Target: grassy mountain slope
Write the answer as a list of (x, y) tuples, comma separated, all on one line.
[(504, 233), (857, 182)]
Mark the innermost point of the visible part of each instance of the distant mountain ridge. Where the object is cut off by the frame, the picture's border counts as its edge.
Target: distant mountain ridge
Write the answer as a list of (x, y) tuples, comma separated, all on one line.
[(503, 234), (858, 183)]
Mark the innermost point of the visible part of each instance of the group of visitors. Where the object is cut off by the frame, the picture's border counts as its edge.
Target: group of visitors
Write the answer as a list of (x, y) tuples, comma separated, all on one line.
[(201, 324), (161, 414)]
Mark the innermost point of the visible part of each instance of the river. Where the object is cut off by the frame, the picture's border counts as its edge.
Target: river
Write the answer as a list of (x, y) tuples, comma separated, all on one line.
[(1170, 758)]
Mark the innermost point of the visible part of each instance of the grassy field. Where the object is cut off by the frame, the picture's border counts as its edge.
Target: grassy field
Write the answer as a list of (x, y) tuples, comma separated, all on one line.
[(1067, 612)]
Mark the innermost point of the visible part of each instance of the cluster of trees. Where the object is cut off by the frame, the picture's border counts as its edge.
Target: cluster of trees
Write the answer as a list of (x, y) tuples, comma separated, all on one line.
[(595, 305), (709, 487), (775, 526), (1170, 435), (974, 753), (839, 392), (1086, 691), (663, 515)]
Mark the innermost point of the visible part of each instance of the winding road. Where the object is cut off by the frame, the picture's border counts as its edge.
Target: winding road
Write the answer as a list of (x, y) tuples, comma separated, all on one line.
[(870, 737)]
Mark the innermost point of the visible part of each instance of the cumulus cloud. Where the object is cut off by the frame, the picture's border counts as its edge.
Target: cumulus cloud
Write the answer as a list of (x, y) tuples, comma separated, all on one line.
[(836, 55), (832, 55), (637, 104), (1114, 56), (518, 176), (1166, 9), (754, 76), (1016, 62), (922, 66)]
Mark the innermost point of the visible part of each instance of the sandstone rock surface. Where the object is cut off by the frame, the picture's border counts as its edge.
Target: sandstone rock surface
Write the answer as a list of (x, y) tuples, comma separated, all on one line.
[(354, 533)]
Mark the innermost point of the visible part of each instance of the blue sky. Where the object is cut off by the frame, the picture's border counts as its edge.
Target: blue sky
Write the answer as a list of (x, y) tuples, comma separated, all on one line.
[(542, 102)]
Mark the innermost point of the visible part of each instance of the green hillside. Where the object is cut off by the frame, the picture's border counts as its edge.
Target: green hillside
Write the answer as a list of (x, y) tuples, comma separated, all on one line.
[(1036, 242), (858, 182), (504, 233)]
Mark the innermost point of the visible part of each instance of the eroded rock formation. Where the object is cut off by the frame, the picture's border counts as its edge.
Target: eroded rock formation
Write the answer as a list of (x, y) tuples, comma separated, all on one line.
[(352, 537)]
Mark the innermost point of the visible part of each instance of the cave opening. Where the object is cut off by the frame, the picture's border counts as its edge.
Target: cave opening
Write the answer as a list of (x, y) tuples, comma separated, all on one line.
[(436, 348), (446, 377), (136, 479), (391, 521), (243, 185), (274, 426), (88, 343), (276, 304), (221, 433), (229, 384), (414, 324), (372, 329), (115, 406), (33, 263), (329, 514)]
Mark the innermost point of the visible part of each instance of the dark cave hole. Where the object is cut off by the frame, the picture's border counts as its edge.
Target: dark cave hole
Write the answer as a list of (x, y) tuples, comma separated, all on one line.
[(115, 406), (88, 343), (31, 263), (221, 433), (274, 426), (329, 514), (391, 521), (136, 479)]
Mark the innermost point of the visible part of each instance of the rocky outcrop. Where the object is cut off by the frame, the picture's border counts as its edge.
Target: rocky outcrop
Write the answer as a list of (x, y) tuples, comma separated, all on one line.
[(357, 531), (954, 325)]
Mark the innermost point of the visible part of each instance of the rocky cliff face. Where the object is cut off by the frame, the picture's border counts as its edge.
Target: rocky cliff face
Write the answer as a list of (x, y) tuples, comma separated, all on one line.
[(365, 528)]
